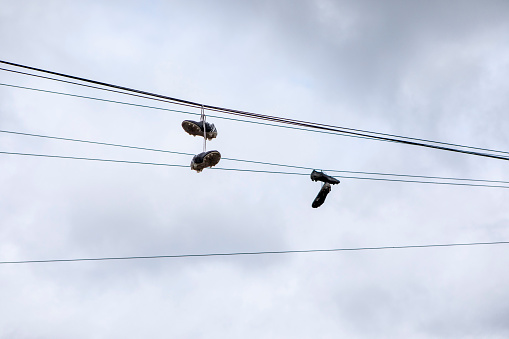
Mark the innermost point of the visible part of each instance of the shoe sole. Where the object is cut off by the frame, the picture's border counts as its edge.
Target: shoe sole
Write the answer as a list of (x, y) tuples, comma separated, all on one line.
[(321, 196), (194, 130)]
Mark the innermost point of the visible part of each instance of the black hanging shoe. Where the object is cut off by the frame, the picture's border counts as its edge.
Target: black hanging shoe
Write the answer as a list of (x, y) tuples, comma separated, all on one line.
[(205, 159), (320, 198), (196, 128), (320, 176)]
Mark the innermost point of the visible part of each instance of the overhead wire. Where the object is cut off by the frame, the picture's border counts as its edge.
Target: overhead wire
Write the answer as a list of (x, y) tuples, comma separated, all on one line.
[(153, 96), (250, 161), (248, 170), (188, 105), (230, 254), (310, 126), (351, 131), (178, 111), (192, 113), (168, 101), (88, 86)]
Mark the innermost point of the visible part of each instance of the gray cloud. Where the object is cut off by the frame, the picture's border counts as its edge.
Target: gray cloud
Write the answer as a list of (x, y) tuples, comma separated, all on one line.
[(432, 70)]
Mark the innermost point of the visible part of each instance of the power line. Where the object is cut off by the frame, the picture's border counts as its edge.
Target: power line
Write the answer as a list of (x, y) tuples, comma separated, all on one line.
[(358, 132), (91, 159), (182, 112), (192, 113), (88, 86), (351, 249), (249, 170), (251, 161), (94, 142), (213, 116), (168, 101)]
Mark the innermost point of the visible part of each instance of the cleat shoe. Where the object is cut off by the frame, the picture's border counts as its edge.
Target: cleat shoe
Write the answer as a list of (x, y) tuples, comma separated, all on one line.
[(196, 128), (320, 176), (205, 159), (320, 198)]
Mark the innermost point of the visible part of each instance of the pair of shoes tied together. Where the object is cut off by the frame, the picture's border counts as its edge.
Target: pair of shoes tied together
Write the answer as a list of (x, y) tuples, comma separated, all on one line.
[(208, 131), (195, 128), (326, 187)]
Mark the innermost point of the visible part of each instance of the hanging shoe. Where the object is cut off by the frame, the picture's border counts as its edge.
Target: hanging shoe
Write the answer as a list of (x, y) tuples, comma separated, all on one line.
[(320, 176), (320, 198), (205, 159), (195, 128)]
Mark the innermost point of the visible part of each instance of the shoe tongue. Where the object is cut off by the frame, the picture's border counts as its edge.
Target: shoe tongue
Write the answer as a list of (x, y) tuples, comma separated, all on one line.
[(198, 158), (208, 127)]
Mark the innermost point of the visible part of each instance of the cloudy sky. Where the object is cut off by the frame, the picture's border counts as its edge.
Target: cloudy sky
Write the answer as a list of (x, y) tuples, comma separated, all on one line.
[(432, 69)]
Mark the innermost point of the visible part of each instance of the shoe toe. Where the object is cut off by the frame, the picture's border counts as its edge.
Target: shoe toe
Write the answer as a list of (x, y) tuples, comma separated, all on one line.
[(211, 135), (197, 167)]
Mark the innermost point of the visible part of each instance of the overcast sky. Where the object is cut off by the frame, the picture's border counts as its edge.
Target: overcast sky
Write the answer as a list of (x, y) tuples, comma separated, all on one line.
[(431, 69)]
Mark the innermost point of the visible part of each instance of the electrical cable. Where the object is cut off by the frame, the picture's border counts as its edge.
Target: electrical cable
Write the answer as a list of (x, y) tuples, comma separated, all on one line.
[(350, 249), (88, 86), (213, 116), (249, 170), (184, 102), (182, 112), (167, 101), (377, 135), (219, 117), (97, 143), (251, 161)]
